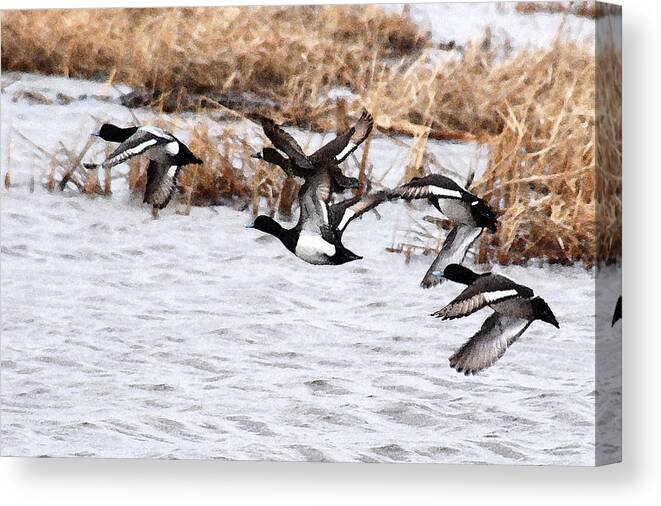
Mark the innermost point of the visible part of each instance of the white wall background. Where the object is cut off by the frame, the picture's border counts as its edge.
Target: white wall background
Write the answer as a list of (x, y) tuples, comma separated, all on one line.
[(108, 482)]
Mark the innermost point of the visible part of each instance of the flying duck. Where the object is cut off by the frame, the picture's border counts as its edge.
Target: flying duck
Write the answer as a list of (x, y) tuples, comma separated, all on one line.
[(339, 182), (320, 172), (327, 158), (515, 308), (165, 152), (470, 213), (317, 237), (617, 314)]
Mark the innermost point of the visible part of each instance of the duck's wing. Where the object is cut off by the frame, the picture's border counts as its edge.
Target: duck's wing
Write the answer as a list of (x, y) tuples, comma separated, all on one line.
[(343, 213), (497, 333), (453, 251), (340, 182), (143, 139), (347, 142), (285, 143), (486, 289), (313, 198), (444, 193), (161, 183), (429, 186)]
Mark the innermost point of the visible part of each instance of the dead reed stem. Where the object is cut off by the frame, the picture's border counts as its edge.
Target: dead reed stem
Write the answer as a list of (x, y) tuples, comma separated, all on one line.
[(107, 181)]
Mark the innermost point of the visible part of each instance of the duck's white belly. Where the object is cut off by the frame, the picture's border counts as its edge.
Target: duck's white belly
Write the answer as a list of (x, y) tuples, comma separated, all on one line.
[(313, 249)]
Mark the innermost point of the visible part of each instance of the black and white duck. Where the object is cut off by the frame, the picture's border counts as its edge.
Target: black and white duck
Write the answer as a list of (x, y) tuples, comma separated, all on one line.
[(515, 308), (327, 158), (317, 236), (470, 213), (165, 152)]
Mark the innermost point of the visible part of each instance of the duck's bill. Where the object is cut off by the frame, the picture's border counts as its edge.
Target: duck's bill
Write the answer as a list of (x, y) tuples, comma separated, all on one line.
[(256, 155), (249, 225), (96, 133), (437, 274)]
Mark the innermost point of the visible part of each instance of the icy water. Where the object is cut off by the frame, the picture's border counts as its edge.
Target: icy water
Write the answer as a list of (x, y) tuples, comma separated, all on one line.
[(193, 337)]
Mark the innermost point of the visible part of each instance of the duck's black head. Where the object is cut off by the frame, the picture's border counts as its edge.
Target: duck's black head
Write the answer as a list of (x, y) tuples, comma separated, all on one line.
[(271, 155), (186, 156), (483, 215), (543, 312), (459, 274), (268, 225), (112, 133)]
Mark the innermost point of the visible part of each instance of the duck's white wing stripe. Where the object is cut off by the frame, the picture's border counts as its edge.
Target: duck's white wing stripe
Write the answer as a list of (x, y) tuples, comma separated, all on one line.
[(130, 152), (348, 214), (140, 148), (497, 333), (497, 295), (457, 309), (156, 132), (410, 192), (444, 192), (172, 170), (465, 307), (347, 150)]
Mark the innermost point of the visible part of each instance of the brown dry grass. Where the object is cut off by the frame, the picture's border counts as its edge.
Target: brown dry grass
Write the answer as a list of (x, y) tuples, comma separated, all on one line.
[(542, 164), (287, 55), (536, 110), (220, 180), (608, 140)]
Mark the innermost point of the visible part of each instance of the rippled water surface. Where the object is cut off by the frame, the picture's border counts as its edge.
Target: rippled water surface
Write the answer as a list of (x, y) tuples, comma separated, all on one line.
[(193, 337)]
